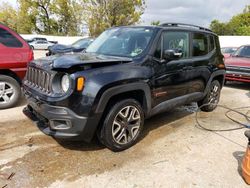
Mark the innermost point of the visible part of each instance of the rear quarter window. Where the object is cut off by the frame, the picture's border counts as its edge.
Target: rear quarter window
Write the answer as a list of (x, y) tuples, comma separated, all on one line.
[(9, 40)]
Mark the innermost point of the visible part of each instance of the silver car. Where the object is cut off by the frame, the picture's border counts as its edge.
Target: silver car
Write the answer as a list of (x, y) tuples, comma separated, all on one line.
[(40, 45)]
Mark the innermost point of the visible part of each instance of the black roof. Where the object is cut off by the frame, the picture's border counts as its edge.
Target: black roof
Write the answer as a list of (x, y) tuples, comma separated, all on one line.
[(185, 25)]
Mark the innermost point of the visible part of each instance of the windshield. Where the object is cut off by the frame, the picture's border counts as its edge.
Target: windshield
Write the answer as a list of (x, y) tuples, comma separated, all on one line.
[(128, 42), (243, 51), (82, 43)]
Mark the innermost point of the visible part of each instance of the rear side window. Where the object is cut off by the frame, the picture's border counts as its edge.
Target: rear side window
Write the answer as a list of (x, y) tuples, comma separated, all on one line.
[(212, 43), (200, 44), (7, 39), (41, 42)]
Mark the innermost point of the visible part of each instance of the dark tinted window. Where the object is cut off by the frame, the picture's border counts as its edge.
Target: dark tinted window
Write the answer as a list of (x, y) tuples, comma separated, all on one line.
[(212, 44), (200, 44), (243, 51), (173, 40), (41, 42), (40, 39), (7, 39)]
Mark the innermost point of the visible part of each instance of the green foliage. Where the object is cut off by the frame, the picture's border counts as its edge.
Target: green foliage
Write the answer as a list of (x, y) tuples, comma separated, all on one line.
[(220, 28), (238, 25), (103, 14), (56, 17), (67, 17), (155, 23), (8, 15), (26, 17)]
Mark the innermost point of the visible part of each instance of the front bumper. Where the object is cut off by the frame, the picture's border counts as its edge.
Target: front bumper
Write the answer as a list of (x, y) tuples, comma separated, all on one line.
[(238, 74), (60, 122)]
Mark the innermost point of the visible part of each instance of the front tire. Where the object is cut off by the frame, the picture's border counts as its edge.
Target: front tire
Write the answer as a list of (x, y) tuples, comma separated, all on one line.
[(10, 92), (122, 125), (209, 103)]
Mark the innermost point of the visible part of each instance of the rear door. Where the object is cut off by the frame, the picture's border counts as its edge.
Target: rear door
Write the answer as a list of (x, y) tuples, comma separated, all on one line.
[(203, 53)]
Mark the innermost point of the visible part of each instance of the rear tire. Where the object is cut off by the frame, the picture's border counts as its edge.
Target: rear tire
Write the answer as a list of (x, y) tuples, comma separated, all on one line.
[(209, 103), (122, 125), (10, 92)]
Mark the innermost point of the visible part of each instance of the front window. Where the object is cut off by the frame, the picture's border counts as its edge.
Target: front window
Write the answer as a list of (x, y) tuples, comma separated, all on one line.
[(173, 40), (243, 51), (128, 42)]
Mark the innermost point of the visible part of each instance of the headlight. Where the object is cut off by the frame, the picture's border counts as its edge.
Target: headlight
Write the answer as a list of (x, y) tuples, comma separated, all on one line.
[(65, 82)]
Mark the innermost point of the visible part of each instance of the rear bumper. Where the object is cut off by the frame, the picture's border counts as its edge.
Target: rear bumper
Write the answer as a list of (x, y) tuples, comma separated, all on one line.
[(60, 122)]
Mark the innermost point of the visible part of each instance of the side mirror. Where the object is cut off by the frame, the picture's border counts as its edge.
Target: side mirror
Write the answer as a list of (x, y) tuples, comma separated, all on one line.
[(172, 54)]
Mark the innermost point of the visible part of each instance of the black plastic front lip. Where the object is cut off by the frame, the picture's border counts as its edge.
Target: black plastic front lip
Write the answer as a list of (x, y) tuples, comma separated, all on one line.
[(42, 113)]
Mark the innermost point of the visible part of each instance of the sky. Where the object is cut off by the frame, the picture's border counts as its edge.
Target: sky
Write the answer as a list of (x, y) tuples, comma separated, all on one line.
[(198, 12)]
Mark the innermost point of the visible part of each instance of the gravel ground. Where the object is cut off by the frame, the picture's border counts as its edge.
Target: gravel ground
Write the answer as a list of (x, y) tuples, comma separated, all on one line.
[(173, 152)]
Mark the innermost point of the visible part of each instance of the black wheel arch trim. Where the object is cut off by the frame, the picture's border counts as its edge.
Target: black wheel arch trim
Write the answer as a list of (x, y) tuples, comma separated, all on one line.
[(130, 87), (213, 75)]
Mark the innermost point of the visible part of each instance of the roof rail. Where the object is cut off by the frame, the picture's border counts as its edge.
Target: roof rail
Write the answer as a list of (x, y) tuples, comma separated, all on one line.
[(185, 25)]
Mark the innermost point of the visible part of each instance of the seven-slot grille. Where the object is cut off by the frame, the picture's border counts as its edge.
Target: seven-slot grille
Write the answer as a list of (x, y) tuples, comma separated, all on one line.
[(39, 79)]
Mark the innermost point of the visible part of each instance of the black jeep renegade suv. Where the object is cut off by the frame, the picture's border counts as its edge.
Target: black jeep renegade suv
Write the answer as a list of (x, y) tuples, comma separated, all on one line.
[(126, 75)]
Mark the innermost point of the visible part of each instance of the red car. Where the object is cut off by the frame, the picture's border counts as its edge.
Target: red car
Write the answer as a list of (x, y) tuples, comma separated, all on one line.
[(15, 53), (238, 65), (228, 51)]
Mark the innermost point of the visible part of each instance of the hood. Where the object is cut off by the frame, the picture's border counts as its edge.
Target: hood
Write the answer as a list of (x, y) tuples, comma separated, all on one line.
[(238, 61), (60, 48), (83, 59)]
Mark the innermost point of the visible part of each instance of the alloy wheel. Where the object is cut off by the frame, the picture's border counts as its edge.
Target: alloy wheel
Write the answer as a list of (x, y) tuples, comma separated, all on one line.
[(214, 95), (126, 125), (6, 92)]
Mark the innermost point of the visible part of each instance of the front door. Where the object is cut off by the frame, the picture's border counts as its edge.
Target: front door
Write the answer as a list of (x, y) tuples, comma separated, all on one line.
[(170, 79)]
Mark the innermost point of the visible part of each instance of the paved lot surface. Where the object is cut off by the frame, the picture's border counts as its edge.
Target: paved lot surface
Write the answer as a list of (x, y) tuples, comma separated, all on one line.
[(173, 152), (39, 53)]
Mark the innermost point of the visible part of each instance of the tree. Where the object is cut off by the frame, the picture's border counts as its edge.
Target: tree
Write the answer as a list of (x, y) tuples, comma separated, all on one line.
[(103, 14), (238, 25), (68, 17), (8, 15), (66, 11), (54, 17), (221, 28), (241, 23), (26, 17), (155, 23)]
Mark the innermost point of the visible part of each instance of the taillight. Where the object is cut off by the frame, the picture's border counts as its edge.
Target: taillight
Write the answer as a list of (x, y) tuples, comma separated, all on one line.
[(31, 55)]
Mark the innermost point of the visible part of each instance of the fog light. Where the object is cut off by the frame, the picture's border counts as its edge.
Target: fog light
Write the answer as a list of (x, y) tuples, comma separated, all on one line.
[(60, 124)]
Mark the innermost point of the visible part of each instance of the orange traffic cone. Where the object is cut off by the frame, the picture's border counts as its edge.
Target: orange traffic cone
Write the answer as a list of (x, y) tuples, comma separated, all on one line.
[(246, 161)]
